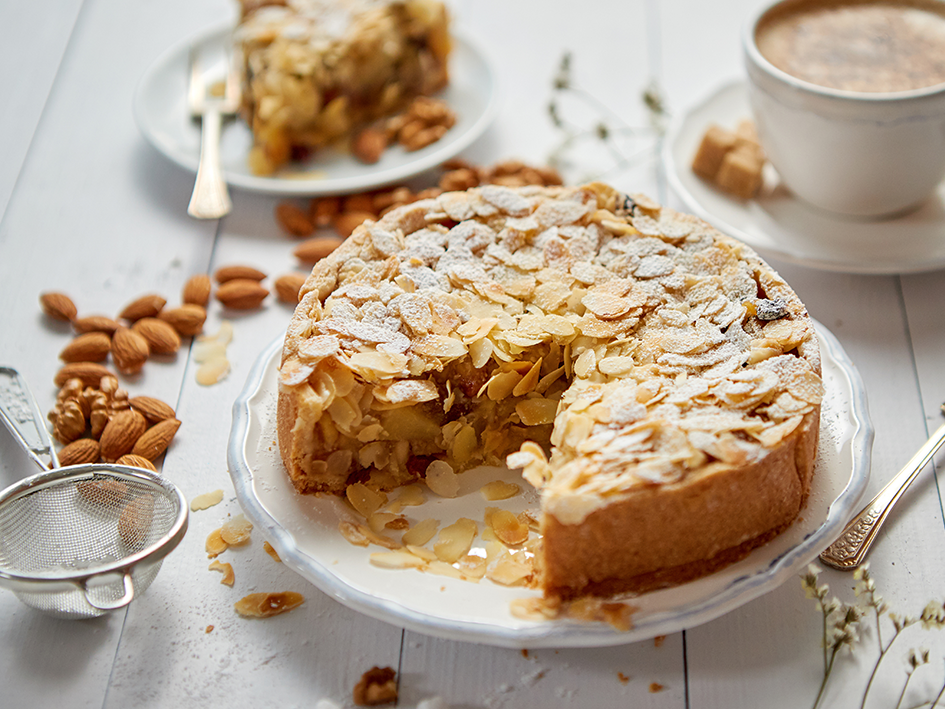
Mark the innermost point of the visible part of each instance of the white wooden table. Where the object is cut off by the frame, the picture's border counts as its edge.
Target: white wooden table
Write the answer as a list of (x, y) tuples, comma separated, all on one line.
[(89, 208)]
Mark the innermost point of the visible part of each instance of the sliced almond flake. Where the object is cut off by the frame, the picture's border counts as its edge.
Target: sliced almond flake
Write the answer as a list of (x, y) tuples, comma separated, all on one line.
[(236, 531), (407, 496), (561, 212), (441, 568), (506, 200), (377, 364), (772, 436), (206, 500), (499, 490), (508, 528), (354, 533), (472, 567), (212, 371), (454, 541), (421, 552), (226, 569), (314, 349), (546, 381), (414, 391), (616, 366), (536, 411), (272, 552), (441, 479), (509, 572), (529, 381), (421, 532), (397, 559), (365, 500), (440, 346), (265, 605), (208, 350), (215, 544)]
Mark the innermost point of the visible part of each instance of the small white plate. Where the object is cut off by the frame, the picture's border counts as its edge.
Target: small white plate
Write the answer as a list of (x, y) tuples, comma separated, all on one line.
[(304, 530), (778, 224), (160, 108)]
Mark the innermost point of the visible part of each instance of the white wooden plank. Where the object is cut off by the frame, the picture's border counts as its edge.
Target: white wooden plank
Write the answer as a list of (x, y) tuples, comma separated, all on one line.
[(31, 68)]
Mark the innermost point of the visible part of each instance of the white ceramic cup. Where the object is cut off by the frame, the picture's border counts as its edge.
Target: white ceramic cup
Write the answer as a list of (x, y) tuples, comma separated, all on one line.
[(868, 155)]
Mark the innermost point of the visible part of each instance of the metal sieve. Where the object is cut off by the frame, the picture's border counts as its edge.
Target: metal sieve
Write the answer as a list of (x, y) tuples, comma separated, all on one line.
[(79, 541)]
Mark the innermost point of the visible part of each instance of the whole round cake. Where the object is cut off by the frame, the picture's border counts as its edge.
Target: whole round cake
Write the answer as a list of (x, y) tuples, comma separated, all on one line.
[(655, 380)]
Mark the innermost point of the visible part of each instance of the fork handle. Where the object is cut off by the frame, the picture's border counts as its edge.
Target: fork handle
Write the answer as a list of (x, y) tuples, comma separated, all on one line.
[(210, 199), (855, 540)]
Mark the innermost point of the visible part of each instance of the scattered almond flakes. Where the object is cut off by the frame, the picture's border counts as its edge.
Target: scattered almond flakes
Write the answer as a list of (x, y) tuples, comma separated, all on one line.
[(215, 544), (454, 541), (509, 529), (265, 605), (227, 569), (206, 500), (397, 559), (623, 678), (210, 354), (656, 687), (272, 552), (377, 686), (209, 629), (236, 531), (410, 496), (499, 490)]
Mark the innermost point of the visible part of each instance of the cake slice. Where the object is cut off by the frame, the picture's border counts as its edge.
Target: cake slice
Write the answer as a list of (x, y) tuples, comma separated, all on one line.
[(317, 70)]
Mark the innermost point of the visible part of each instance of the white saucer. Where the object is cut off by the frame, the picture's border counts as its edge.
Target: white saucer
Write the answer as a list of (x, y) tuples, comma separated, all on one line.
[(304, 530), (160, 108), (778, 224)]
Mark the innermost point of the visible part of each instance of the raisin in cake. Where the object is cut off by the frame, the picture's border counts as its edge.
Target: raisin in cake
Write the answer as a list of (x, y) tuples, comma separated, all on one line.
[(315, 70), (654, 379)]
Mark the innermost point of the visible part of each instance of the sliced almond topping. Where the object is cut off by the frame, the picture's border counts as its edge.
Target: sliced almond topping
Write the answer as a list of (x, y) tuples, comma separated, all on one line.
[(236, 531), (227, 569), (215, 544), (397, 559), (272, 552), (454, 541), (206, 500), (265, 605), (421, 532), (499, 490)]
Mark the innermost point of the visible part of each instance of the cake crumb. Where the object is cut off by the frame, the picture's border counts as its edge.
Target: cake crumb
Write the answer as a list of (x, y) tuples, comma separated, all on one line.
[(524, 652), (377, 686), (209, 629), (659, 640), (656, 687), (623, 678)]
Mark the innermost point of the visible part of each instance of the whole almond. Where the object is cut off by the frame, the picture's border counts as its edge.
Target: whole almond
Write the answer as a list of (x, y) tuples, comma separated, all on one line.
[(346, 222), (288, 287), (147, 306), (230, 273), (58, 306), (241, 294), (323, 209), (156, 439), (90, 373), (95, 323), (368, 145), (315, 249), (129, 350), (136, 461), (197, 290), (161, 336), (121, 434), (88, 347), (154, 410), (293, 219), (187, 319), (83, 450)]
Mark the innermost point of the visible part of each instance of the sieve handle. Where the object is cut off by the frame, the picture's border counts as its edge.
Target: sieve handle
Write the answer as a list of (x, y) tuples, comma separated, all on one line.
[(21, 415), (127, 598)]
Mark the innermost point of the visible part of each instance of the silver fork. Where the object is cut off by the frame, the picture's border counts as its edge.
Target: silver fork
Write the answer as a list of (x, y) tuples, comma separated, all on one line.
[(211, 199)]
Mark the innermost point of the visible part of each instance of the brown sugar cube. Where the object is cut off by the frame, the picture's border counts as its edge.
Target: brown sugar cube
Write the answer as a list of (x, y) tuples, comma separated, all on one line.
[(746, 130), (746, 138), (740, 173), (716, 142)]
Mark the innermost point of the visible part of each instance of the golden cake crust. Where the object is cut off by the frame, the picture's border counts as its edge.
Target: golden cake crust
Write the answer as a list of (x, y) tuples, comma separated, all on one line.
[(672, 374)]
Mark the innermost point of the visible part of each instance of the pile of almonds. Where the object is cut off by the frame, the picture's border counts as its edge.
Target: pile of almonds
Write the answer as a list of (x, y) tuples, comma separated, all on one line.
[(425, 121), (97, 421)]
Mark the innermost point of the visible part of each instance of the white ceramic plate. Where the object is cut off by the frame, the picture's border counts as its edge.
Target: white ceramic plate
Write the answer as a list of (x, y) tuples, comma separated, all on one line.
[(160, 107), (778, 224), (304, 530)]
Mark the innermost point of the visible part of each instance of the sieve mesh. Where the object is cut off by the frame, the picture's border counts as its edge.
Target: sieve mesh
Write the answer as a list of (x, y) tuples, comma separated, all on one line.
[(80, 525)]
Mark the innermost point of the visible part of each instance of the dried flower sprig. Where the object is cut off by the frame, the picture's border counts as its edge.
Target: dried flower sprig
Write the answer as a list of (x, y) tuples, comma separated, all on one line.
[(841, 624), (607, 126)]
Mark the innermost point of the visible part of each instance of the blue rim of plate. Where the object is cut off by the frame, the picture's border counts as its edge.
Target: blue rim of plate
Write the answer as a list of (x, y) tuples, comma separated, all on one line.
[(372, 177), (561, 634)]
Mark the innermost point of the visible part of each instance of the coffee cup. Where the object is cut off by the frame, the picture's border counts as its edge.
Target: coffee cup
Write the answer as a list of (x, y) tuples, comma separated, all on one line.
[(864, 139)]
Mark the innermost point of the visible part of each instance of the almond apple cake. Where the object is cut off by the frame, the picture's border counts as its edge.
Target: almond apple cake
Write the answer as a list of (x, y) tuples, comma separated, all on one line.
[(655, 380), (315, 70)]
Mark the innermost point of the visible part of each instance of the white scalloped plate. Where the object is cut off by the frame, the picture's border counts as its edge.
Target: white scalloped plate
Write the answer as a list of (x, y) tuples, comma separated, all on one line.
[(160, 108), (304, 530)]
